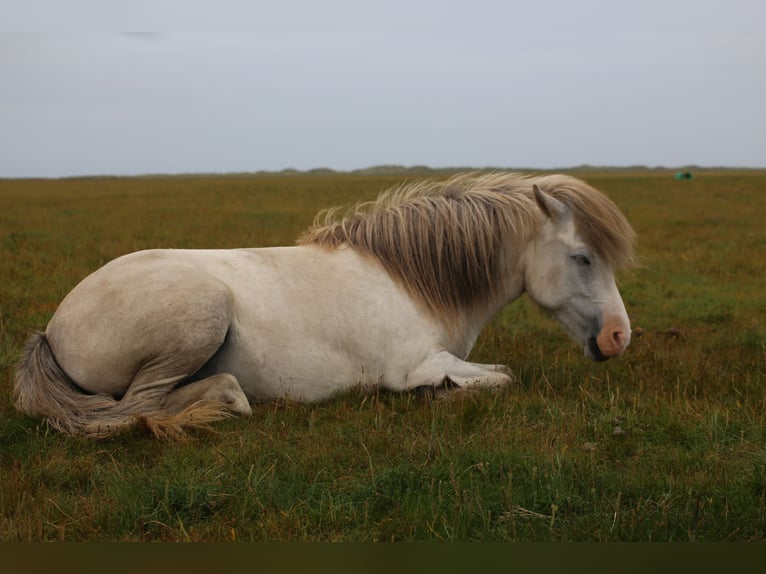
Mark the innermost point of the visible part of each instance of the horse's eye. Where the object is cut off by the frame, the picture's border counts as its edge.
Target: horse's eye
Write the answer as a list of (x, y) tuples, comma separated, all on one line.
[(581, 260)]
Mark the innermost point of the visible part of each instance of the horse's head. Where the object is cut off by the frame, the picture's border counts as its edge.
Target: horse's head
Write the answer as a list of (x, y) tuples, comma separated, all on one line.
[(569, 278)]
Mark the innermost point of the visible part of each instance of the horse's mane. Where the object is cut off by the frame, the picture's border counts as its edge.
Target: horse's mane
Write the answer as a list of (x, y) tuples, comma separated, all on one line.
[(441, 239)]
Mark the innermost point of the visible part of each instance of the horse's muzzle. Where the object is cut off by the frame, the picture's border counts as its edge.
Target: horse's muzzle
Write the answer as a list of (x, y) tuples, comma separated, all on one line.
[(595, 351)]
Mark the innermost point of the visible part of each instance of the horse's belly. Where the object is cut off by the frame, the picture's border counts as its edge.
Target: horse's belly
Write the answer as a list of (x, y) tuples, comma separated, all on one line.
[(299, 373), (319, 323), (308, 359)]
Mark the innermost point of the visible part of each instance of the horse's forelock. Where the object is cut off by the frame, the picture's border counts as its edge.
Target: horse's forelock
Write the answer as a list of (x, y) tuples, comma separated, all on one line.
[(602, 226)]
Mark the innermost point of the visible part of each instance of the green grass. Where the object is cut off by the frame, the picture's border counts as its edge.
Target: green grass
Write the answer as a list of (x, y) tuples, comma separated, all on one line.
[(668, 443)]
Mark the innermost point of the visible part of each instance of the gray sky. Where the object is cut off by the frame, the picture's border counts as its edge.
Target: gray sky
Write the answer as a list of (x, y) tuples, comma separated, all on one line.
[(348, 84)]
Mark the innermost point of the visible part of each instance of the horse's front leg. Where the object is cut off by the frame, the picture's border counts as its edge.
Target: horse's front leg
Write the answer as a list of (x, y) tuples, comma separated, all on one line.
[(445, 370)]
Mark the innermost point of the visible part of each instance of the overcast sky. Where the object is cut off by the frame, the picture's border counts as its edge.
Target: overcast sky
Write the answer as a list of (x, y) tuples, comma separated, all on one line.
[(347, 84)]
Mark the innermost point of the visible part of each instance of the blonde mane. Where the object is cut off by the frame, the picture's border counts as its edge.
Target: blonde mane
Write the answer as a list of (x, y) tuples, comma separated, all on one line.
[(441, 239)]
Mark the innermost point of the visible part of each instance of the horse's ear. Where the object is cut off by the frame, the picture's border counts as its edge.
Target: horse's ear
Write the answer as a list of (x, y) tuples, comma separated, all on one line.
[(549, 205)]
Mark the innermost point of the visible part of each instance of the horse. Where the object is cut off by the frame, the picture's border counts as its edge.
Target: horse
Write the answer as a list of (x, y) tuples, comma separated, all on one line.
[(390, 294)]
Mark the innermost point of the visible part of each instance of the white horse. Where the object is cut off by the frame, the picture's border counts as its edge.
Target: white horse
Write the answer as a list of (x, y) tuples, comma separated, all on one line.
[(392, 295)]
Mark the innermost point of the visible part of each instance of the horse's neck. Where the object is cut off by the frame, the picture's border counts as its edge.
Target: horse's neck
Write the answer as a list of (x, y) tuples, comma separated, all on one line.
[(509, 287), (509, 279)]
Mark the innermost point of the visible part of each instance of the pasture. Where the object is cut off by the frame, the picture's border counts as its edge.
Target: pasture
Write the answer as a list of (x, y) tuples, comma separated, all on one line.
[(667, 443)]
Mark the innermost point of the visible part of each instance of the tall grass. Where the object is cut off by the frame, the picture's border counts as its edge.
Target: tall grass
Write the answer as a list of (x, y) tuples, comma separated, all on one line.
[(666, 443)]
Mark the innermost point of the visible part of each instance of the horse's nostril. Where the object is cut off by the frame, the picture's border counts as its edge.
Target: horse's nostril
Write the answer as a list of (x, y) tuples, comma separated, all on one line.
[(612, 342)]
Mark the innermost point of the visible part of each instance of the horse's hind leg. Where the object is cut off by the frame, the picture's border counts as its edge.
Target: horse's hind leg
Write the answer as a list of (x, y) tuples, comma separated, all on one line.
[(166, 402), (166, 409), (222, 389), (175, 348), (196, 404)]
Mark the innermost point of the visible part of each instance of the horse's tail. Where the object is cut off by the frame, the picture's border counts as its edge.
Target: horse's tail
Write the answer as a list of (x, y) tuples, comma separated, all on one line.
[(42, 388)]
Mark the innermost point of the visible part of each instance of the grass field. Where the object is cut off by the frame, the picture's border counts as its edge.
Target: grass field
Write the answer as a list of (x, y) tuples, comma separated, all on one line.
[(667, 443)]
